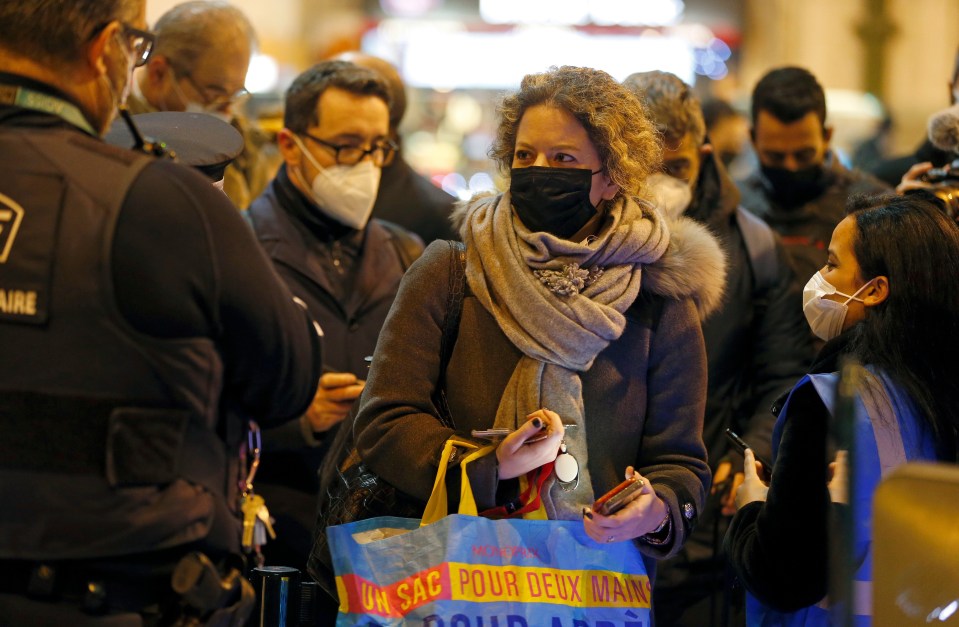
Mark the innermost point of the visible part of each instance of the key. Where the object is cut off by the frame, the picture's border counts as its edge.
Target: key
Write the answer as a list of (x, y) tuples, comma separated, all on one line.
[(259, 534), (250, 504), (263, 517)]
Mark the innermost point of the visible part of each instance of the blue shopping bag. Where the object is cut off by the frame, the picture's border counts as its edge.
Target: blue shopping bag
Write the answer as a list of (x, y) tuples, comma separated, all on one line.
[(467, 571)]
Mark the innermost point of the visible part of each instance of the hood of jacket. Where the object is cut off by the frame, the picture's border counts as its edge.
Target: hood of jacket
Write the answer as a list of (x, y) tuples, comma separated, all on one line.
[(682, 270)]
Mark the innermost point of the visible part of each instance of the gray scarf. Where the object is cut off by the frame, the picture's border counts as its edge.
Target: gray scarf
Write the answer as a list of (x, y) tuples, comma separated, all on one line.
[(560, 303)]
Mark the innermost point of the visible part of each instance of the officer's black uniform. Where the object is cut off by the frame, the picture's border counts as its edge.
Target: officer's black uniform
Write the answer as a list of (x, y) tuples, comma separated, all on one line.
[(140, 326)]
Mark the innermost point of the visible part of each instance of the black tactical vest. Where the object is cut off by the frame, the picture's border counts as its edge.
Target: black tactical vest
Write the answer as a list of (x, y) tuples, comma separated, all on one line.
[(108, 440)]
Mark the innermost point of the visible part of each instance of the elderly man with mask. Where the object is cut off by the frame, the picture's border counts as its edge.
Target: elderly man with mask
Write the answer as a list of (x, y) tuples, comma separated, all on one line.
[(199, 65), (800, 189), (755, 344), (314, 222), (140, 326)]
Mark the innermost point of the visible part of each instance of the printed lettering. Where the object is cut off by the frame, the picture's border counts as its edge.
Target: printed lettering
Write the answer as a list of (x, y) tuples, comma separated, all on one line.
[(433, 582), (459, 620), (479, 585), (618, 590), (374, 599), (535, 590), (574, 588), (433, 621), (600, 588), (516, 621), (638, 591), (512, 589), (403, 592), (504, 551), (548, 580), (419, 592), (19, 302), (496, 584)]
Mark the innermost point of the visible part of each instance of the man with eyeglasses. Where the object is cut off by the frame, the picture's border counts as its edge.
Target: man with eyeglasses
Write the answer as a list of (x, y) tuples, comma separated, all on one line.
[(405, 196), (314, 222), (140, 327), (202, 55)]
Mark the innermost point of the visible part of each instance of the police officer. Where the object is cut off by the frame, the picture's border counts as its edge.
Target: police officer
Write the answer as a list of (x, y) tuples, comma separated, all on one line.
[(139, 325)]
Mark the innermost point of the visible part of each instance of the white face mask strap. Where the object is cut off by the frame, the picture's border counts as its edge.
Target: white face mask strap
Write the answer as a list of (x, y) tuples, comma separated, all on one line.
[(855, 295), (307, 154)]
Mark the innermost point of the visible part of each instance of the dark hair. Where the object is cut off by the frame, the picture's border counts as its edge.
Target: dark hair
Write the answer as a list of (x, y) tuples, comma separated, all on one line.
[(613, 117), (56, 31), (670, 103), (789, 93), (716, 109), (301, 97), (913, 335)]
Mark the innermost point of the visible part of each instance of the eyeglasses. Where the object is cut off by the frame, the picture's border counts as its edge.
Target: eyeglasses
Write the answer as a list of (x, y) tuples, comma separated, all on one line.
[(346, 154), (141, 43), (219, 99)]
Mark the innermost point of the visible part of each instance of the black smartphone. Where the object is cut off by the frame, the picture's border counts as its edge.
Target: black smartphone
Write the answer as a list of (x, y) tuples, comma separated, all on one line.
[(741, 446)]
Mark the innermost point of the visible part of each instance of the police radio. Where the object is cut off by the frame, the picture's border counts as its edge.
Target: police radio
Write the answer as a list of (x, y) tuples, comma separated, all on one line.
[(142, 143)]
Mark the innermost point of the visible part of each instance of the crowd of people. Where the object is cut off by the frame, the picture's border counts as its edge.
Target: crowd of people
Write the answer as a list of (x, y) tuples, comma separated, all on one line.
[(193, 351)]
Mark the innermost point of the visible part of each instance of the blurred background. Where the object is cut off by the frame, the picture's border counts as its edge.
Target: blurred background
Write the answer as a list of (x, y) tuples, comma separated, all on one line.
[(885, 64)]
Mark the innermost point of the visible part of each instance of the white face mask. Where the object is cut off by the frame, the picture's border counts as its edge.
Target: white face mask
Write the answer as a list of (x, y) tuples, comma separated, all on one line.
[(669, 194), (345, 193), (825, 316), (192, 106)]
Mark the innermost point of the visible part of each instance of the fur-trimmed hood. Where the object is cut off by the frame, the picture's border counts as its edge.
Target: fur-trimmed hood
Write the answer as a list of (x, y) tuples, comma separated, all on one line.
[(693, 266)]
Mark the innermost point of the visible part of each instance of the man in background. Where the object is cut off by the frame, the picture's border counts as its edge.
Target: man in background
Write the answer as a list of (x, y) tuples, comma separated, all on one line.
[(406, 197), (314, 222), (202, 55), (757, 345), (800, 189), (141, 327)]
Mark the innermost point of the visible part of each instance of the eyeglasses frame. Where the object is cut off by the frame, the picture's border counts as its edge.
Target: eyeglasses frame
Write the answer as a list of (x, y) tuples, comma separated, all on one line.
[(387, 149)]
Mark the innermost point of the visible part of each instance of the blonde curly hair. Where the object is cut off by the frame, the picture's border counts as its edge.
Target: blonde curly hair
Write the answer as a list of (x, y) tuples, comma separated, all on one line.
[(628, 144)]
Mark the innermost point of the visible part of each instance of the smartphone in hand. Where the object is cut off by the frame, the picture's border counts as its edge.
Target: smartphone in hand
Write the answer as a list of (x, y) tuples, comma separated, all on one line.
[(617, 498), (741, 446)]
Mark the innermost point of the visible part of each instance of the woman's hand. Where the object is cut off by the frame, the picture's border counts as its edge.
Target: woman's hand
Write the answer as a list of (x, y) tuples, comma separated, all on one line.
[(752, 488), (639, 516), (517, 456)]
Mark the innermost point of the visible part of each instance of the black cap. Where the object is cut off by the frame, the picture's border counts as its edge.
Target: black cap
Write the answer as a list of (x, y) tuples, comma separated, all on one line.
[(202, 141)]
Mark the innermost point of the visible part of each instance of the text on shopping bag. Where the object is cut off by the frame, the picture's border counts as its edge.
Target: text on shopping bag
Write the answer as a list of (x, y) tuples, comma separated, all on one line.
[(485, 583)]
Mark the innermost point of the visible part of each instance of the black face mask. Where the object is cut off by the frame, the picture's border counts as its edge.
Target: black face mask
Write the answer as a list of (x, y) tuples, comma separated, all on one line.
[(793, 189), (552, 200)]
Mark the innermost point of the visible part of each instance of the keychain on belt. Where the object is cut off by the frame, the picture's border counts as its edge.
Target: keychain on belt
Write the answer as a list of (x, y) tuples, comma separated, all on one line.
[(257, 524)]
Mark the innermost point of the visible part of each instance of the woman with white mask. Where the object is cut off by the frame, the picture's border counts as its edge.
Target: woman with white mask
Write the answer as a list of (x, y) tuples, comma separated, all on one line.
[(887, 298)]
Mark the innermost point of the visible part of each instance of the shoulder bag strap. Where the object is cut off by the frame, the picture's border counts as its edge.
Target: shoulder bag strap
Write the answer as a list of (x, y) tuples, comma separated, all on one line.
[(451, 323)]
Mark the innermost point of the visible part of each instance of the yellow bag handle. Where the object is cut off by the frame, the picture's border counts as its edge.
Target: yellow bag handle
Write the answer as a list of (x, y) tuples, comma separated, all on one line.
[(438, 505)]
